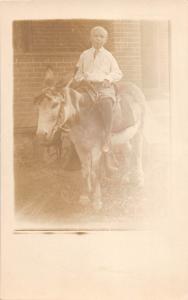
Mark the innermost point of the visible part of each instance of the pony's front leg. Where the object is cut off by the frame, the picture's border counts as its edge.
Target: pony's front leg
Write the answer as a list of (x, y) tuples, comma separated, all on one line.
[(91, 190), (96, 179), (96, 190), (87, 184), (85, 160), (91, 170)]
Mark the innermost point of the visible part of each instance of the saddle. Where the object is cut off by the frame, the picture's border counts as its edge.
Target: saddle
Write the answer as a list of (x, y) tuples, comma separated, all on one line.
[(122, 112), (85, 88)]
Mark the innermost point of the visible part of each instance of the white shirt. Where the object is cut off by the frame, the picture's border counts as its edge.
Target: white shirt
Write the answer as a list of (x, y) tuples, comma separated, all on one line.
[(97, 68)]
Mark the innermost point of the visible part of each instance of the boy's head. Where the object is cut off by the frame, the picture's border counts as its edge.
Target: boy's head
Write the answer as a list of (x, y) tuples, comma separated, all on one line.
[(98, 37)]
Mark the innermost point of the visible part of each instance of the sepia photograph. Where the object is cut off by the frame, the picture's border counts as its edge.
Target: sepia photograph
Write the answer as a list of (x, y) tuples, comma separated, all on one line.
[(94, 150), (91, 123)]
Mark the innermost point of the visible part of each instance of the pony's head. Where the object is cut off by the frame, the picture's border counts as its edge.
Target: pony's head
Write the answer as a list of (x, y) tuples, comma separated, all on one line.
[(56, 105)]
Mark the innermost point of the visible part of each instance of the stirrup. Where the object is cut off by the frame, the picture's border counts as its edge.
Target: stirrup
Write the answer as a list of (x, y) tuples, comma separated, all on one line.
[(105, 148)]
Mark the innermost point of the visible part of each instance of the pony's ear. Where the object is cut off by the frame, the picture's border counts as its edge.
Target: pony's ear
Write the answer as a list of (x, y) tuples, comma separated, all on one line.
[(38, 99), (49, 80)]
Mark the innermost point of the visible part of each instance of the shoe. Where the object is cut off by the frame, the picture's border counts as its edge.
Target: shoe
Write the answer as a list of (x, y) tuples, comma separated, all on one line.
[(105, 148)]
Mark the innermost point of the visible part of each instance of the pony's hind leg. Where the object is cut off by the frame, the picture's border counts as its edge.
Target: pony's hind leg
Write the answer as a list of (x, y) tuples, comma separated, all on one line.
[(96, 178), (86, 175), (136, 167)]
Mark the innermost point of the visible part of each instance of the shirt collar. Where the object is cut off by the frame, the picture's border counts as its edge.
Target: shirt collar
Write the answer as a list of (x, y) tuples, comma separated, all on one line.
[(101, 49)]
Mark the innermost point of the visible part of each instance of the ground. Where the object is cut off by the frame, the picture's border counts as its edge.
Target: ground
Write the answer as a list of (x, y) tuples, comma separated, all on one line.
[(47, 196)]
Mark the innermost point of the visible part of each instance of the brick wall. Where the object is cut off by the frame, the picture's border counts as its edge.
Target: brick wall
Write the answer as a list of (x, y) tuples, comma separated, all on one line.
[(163, 37), (39, 44), (155, 57)]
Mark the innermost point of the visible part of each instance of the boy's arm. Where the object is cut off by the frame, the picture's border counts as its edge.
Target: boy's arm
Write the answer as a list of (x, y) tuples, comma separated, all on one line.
[(115, 72), (79, 76)]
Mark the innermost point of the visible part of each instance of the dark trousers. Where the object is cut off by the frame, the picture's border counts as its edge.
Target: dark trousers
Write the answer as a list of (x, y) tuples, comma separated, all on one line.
[(105, 108)]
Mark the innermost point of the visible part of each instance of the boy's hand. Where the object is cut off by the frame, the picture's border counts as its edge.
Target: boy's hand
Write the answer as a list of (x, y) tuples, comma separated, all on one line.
[(106, 83), (85, 82)]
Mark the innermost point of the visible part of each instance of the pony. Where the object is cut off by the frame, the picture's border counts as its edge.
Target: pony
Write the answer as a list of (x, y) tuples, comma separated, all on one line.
[(63, 109)]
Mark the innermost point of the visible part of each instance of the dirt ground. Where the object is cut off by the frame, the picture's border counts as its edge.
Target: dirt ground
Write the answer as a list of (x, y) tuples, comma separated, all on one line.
[(47, 197)]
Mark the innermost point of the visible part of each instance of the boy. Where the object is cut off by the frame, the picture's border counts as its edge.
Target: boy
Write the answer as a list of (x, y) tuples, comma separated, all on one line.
[(98, 67)]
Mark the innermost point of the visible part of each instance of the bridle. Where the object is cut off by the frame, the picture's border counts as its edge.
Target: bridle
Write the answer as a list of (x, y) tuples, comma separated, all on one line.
[(51, 93)]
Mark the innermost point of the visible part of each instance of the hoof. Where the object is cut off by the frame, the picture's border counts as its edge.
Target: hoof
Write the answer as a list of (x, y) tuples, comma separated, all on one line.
[(97, 204), (128, 147), (84, 200), (125, 179), (138, 180)]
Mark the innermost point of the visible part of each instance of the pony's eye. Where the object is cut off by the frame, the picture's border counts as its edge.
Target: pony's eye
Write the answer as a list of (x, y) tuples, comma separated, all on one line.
[(54, 105)]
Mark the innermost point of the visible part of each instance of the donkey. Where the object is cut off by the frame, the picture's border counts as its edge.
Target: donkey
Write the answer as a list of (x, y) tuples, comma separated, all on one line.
[(65, 109)]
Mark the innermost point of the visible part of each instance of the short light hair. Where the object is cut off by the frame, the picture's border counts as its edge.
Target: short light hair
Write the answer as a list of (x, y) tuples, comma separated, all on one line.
[(96, 28)]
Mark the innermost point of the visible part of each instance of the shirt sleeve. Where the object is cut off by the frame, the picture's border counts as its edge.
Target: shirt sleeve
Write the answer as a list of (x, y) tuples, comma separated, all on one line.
[(115, 72), (79, 76)]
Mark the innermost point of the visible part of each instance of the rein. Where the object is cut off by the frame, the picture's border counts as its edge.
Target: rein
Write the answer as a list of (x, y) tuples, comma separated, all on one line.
[(58, 125)]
